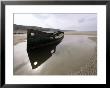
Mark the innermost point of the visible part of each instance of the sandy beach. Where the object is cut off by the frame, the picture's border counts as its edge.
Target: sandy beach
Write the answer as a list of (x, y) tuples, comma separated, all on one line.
[(75, 55), (18, 38)]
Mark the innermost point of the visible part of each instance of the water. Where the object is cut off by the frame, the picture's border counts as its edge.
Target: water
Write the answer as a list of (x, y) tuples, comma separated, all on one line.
[(71, 54)]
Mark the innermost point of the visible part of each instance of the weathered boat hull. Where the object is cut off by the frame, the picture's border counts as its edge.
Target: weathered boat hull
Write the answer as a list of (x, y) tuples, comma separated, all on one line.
[(41, 45)]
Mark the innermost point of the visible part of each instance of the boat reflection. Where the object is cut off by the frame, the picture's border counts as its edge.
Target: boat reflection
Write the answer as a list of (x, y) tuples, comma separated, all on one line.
[(40, 55)]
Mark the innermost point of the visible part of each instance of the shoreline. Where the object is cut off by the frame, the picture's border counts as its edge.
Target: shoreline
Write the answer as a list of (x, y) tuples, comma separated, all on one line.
[(89, 68)]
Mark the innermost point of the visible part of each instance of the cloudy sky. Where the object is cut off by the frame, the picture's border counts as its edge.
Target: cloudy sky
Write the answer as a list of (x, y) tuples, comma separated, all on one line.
[(79, 22)]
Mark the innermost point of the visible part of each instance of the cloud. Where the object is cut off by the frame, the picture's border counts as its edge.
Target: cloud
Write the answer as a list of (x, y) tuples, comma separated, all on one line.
[(81, 20), (58, 20)]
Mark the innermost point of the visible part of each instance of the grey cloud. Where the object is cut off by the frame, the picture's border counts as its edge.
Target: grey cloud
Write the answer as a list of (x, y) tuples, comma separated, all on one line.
[(81, 20), (60, 20)]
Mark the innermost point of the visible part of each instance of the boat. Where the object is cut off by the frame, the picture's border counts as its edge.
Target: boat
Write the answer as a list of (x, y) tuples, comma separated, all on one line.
[(39, 39), (41, 44)]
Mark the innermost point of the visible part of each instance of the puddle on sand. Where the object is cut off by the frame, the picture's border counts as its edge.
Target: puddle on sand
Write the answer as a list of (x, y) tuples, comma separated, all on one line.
[(71, 54)]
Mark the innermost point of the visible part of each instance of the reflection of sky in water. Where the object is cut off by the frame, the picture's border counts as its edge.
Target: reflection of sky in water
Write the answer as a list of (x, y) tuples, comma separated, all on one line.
[(70, 55), (81, 22)]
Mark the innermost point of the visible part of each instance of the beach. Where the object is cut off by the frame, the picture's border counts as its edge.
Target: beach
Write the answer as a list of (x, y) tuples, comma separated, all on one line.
[(75, 55)]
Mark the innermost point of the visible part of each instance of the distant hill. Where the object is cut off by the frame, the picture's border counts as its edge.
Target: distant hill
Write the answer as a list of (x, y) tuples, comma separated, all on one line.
[(21, 29), (68, 30)]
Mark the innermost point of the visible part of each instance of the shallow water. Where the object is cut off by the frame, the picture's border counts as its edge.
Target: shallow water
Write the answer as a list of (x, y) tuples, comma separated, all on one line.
[(71, 54)]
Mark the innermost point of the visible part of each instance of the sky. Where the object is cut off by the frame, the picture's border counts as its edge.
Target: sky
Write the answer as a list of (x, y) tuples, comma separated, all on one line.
[(64, 21)]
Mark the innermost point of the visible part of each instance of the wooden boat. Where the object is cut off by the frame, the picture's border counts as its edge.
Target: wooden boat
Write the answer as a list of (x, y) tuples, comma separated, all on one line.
[(39, 39), (42, 44)]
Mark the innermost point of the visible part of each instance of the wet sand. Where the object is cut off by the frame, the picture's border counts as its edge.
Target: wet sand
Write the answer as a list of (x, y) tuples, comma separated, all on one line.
[(75, 55), (19, 38)]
